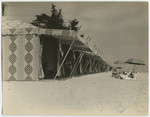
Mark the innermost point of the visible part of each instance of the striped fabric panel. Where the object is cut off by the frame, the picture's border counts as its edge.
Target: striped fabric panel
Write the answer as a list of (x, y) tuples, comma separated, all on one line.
[(20, 57)]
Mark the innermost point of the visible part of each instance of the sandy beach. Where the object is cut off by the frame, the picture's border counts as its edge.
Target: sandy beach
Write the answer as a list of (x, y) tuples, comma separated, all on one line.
[(96, 94)]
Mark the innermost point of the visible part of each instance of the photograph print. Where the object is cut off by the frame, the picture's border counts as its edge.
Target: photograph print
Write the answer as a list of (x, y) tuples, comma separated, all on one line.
[(74, 58)]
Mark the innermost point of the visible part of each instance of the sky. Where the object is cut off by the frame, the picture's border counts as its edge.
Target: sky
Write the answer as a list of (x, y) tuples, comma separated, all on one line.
[(119, 29)]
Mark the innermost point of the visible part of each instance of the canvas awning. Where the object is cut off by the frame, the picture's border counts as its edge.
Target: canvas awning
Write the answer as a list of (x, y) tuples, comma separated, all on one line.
[(68, 40), (95, 56), (81, 48)]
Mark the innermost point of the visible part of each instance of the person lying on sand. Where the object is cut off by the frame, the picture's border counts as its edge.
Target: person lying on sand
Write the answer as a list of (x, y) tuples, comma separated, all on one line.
[(131, 75), (128, 76)]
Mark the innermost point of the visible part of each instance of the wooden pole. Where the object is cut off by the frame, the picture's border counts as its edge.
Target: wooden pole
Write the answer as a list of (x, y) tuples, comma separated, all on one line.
[(96, 65), (93, 65), (134, 68), (58, 55), (76, 64), (90, 59), (79, 58), (64, 59), (88, 63)]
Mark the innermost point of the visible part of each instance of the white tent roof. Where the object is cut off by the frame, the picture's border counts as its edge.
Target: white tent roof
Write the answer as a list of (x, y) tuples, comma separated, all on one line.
[(20, 28), (15, 24)]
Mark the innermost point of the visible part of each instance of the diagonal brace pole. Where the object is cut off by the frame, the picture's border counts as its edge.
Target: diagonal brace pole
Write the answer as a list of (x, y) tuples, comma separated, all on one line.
[(64, 59)]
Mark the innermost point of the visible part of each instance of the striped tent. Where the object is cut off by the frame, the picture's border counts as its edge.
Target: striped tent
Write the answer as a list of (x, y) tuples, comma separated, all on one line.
[(21, 50)]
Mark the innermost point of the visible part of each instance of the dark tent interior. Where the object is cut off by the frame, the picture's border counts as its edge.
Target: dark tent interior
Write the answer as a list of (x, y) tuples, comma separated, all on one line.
[(49, 55), (77, 62)]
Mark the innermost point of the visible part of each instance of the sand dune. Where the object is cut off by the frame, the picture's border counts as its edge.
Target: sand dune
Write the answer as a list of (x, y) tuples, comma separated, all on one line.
[(97, 94)]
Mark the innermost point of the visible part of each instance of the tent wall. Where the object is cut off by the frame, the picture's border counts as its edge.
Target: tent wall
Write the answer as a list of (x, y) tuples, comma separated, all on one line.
[(22, 52), (20, 56)]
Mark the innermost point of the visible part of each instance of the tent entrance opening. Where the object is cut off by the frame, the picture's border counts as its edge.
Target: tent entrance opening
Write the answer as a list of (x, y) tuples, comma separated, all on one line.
[(49, 56)]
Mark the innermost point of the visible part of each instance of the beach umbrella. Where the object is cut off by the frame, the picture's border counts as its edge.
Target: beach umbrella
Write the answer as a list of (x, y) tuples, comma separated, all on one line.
[(118, 62), (119, 67), (135, 62)]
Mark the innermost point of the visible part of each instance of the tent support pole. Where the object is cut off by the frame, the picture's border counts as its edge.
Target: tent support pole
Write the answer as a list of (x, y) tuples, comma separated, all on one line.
[(64, 59), (88, 63), (74, 67), (76, 64), (93, 65), (58, 54), (79, 59), (134, 68), (96, 66)]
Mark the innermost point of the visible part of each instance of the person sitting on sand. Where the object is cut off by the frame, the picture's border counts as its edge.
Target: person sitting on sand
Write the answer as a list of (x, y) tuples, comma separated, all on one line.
[(115, 73), (131, 75), (124, 76), (124, 73), (128, 76)]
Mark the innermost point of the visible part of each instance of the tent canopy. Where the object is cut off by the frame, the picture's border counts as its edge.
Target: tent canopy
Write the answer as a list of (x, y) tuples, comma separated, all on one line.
[(6, 24), (19, 28), (65, 36), (22, 49), (81, 48)]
